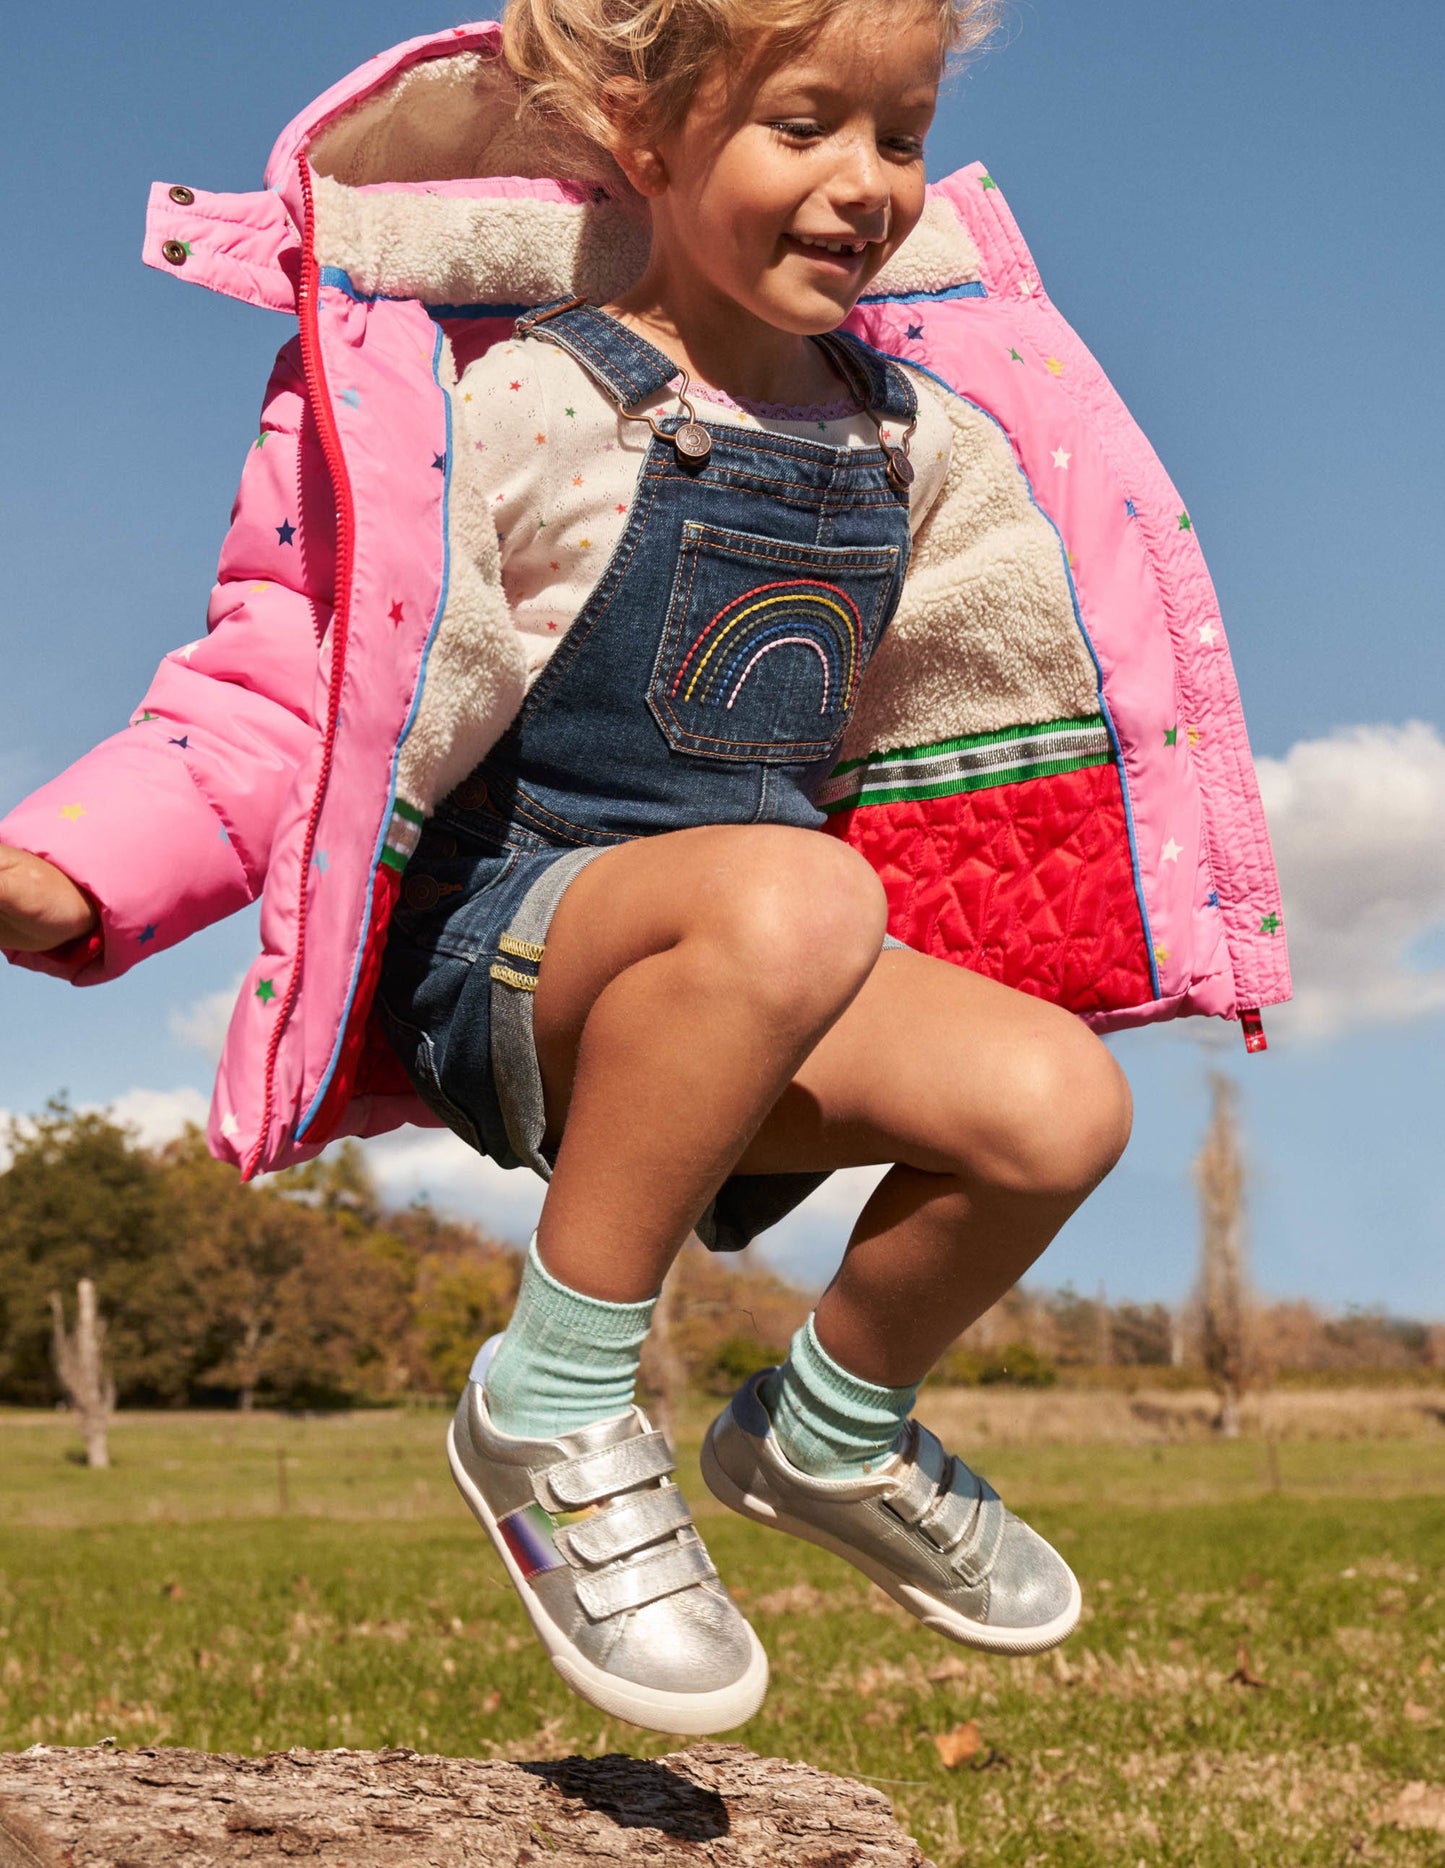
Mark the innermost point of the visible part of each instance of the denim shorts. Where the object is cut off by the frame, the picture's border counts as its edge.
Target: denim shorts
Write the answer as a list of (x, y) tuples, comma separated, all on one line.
[(462, 958)]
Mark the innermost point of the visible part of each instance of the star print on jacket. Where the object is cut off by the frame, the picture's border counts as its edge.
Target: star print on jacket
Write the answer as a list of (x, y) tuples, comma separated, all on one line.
[(286, 532)]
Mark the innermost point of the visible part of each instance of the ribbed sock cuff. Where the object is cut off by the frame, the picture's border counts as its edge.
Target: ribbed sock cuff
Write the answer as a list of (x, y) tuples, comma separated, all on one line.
[(566, 1359), (831, 1423)]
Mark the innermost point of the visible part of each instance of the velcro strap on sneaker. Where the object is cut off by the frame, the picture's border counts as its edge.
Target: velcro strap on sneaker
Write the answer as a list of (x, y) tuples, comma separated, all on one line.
[(623, 1528), (612, 1469), (953, 1511), (967, 1523), (922, 1476), (649, 1579)]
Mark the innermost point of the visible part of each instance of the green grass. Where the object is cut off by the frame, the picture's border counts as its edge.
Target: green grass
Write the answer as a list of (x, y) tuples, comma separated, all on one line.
[(170, 1601)]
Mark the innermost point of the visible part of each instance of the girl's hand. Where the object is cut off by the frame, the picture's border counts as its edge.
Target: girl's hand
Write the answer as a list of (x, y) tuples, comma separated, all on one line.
[(40, 907)]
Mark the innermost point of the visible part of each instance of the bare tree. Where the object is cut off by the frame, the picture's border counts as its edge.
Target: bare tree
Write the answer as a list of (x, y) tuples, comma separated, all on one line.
[(80, 1365), (1223, 1294)]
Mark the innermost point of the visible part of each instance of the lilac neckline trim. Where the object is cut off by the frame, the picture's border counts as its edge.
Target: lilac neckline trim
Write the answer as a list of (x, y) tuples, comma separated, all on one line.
[(838, 411)]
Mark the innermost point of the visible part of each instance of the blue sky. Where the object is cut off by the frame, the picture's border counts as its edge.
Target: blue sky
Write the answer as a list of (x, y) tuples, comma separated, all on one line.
[(1239, 209)]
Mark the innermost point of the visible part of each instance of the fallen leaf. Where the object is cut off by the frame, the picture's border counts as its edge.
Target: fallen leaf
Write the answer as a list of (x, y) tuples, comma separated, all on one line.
[(174, 1592), (489, 1702), (958, 1746), (951, 1669), (1418, 1806), (1243, 1675), (1426, 1667), (1417, 1715)]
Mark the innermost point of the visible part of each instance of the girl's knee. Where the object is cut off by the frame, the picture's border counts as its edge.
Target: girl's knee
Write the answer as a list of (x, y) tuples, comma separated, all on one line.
[(799, 922), (1064, 1114)]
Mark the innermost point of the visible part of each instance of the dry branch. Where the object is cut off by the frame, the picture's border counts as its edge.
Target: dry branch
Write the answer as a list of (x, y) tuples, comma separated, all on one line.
[(717, 1804)]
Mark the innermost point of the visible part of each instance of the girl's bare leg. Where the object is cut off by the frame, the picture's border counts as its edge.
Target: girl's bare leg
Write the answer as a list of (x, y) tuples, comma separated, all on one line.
[(1001, 1114), (686, 978), (715, 999)]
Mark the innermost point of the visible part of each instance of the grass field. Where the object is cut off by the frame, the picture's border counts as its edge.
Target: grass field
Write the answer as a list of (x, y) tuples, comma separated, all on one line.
[(1260, 1675)]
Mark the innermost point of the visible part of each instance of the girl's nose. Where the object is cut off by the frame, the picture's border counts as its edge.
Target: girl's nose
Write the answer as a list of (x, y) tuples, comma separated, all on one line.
[(861, 184)]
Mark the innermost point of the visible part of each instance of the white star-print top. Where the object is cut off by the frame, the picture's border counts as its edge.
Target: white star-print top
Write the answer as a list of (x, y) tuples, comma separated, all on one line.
[(560, 467)]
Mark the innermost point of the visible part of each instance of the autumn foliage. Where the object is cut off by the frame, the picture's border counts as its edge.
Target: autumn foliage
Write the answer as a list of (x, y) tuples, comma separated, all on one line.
[(305, 1292)]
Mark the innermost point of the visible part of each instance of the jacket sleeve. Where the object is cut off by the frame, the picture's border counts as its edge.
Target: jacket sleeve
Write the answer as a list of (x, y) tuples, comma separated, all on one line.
[(167, 825)]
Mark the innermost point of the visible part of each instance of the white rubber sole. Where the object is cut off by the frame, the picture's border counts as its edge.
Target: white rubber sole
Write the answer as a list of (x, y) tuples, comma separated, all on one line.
[(929, 1610), (688, 1715)]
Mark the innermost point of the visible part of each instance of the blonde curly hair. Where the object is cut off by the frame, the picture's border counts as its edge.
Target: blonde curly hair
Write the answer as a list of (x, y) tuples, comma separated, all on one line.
[(576, 58)]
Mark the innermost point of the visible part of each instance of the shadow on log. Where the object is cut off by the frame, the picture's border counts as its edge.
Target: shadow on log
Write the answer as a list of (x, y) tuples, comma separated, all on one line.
[(721, 1804)]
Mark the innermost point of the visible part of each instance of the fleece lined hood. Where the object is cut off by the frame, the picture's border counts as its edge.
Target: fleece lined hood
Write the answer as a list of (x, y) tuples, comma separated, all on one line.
[(425, 186)]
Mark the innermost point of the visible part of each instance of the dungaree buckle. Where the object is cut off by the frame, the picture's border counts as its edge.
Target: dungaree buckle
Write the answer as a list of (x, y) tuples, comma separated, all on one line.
[(692, 442)]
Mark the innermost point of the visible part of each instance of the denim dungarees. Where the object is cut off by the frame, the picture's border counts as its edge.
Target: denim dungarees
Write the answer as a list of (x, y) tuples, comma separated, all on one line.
[(708, 679)]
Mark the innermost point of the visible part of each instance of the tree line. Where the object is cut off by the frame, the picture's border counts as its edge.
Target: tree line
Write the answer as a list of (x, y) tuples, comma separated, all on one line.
[(306, 1291), (301, 1292)]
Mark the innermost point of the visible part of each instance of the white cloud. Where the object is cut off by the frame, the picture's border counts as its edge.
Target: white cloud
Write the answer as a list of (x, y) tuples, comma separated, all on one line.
[(435, 1166), (205, 1021), (159, 1116), (154, 1116), (1358, 826)]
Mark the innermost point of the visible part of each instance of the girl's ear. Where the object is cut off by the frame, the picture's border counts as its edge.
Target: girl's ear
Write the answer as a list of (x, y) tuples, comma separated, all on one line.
[(632, 148)]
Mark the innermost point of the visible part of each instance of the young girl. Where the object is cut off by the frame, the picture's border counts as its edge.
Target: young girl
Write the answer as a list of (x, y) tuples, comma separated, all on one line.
[(571, 533)]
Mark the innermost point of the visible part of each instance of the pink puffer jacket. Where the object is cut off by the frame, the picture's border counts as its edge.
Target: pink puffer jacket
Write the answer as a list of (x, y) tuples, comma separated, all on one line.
[(1048, 766)]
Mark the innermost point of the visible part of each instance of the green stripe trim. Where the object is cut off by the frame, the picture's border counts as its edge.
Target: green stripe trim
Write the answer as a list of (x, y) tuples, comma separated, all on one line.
[(985, 781), (393, 859), (409, 812), (972, 742), (977, 763)]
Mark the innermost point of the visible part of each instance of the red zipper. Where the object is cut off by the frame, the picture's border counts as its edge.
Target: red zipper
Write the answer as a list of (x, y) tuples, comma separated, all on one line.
[(319, 397)]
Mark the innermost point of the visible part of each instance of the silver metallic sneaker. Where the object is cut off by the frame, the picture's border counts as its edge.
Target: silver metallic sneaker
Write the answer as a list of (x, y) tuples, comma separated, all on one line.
[(924, 1527), (601, 1548)]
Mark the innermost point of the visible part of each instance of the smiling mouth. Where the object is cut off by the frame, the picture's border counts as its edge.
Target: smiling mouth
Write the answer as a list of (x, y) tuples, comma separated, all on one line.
[(845, 253)]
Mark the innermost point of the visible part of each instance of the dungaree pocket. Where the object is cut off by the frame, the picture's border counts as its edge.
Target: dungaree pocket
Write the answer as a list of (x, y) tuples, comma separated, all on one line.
[(765, 643)]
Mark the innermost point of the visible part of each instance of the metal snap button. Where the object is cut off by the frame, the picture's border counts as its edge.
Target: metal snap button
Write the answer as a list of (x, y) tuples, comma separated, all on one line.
[(472, 794), (183, 197), (175, 252)]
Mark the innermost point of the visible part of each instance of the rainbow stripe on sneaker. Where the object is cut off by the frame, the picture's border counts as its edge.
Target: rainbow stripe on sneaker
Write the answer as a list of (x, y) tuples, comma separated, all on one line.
[(529, 1535)]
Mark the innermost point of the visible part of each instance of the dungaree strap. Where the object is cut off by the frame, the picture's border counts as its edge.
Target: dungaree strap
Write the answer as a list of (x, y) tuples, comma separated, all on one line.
[(626, 365), (631, 369), (875, 380)]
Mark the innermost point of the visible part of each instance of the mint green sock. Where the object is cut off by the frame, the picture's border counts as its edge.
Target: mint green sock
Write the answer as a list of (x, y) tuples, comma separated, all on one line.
[(832, 1425), (566, 1360)]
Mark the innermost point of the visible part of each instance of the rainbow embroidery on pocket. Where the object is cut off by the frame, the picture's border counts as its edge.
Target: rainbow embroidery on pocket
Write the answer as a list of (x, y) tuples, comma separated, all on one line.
[(802, 612)]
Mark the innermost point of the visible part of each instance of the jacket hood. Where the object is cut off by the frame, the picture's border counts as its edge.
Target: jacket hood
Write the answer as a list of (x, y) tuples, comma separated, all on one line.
[(425, 186)]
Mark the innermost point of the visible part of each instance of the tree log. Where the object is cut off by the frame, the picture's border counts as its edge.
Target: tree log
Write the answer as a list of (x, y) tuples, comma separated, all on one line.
[(719, 1804)]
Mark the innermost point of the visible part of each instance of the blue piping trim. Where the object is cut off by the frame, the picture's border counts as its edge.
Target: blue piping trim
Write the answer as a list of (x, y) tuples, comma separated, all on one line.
[(972, 288), (325, 1084), (1093, 657), (340, 281)]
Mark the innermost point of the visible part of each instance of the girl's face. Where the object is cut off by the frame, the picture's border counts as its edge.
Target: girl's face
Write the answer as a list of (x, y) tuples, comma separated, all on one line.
[(785, 191)]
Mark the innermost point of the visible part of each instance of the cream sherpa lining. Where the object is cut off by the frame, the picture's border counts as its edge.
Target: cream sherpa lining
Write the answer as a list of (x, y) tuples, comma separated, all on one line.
[(985, 636), (501, 250)]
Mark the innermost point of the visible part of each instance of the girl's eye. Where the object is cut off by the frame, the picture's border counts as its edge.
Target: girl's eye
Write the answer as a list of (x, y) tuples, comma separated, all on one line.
[(909, 146), (799, 130)]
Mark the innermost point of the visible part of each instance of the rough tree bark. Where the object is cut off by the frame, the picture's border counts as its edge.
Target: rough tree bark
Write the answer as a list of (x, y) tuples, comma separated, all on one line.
[(1223, 1297), (718, 1804), (80, 1366)]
